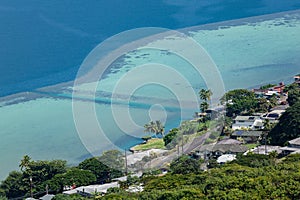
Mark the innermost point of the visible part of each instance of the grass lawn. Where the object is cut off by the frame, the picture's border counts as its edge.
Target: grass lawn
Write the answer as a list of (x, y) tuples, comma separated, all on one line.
[(250, 146), (154, 143)]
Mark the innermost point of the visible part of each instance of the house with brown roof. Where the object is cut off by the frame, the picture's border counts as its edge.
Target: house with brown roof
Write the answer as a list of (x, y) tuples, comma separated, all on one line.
[(247, 136)]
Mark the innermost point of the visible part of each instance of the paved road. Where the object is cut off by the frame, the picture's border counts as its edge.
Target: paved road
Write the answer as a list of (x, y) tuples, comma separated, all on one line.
[(187, 148)]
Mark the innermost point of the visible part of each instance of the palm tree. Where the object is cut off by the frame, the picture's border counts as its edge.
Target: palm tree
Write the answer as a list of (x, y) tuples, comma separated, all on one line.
[(25, 163), (204, 106), (205, 95), (155, 127)]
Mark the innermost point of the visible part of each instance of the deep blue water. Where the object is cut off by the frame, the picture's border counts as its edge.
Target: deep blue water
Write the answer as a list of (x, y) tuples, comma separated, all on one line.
[(44, 42)]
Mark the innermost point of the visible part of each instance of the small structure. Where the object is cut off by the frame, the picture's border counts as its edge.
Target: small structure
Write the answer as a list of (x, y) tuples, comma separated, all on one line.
[(279, 88), (273, 115), (297, 79), (135, 188), (260, 92), (247, 136), (92, 189), (270, 93), (47, 197), (293, 147), (226, 158), (247, 122), (124, 178)]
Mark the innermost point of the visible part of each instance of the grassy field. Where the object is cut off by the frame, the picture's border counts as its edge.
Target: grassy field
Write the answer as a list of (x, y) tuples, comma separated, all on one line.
[(250, 146), (154, 143)]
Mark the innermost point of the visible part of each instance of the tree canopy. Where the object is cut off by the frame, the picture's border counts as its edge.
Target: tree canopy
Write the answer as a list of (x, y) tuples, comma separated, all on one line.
[(288, 126), (239, 101), (170, 136), (102, 172), (155, 127), (293, 96), (185, 165)]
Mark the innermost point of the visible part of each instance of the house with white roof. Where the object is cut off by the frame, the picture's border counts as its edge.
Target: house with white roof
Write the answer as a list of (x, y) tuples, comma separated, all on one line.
[(226, 158), (247, 122), (92, 189)]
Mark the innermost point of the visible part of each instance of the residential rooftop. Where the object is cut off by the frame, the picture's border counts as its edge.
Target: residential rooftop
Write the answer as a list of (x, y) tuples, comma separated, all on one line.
[(229, 141), (242, 133), (235, 148), (246, 118), (295, 141)]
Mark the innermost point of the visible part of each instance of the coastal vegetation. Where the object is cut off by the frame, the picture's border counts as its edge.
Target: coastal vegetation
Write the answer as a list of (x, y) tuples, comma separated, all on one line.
[(239, 101), (155, 127), (154, 143), (293, 94), (264, 87), (36, 177), (205, 96), (249, 177)]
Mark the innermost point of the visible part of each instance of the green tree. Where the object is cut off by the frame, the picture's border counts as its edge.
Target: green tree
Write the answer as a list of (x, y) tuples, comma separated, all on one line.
[(73, 176), (13, 186), (263, 105), (204, 106), (264, 87), (115, 160), (42, 171), (25, 163), (293, 96), (239, 101), (205, 95), (254, 160), (155, 127), (102, 172), (212, 163), (273, 101), (185, 165), (170, 136), (188, 127)]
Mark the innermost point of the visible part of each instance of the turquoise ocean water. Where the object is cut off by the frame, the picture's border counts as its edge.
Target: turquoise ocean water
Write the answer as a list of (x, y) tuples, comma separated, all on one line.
[(247, 53)]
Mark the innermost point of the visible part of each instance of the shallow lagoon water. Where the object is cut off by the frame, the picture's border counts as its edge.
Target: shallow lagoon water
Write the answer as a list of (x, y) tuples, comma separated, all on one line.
[(246, 55)]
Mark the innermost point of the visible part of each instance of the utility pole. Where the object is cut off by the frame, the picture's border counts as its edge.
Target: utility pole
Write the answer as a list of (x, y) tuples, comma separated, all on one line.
[(182, 144), (47, 189), (30, 179), (265, 144)]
